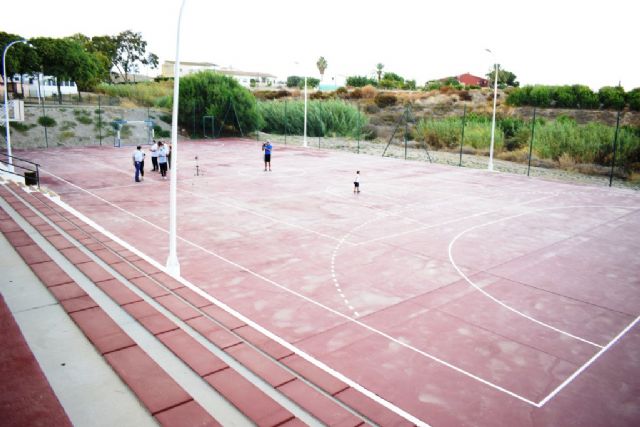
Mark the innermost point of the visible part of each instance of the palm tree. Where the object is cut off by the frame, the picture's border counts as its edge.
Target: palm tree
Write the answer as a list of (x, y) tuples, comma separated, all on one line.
[(379, 67), (322, 65)]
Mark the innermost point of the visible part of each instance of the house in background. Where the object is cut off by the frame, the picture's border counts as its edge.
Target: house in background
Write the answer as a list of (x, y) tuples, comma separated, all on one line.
[(39, 85), (245, 78), (471, 80)]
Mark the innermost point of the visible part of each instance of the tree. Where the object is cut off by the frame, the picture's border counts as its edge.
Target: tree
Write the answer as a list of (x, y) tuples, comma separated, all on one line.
[(105, 49), (379, 68), (130, 53), (506, 78), (633, 99), (214, 94), (360, 81), (322, 65), (21, 60), (64, 59), (612, 97)]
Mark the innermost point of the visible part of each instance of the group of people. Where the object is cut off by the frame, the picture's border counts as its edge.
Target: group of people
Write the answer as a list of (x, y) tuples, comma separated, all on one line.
[(160, 159)]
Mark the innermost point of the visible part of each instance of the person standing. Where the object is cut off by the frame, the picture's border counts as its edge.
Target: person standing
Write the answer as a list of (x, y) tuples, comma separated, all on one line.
[(356, 183), (168, 147), (267, 147), (154, 155), (138, 157), (162, 160)]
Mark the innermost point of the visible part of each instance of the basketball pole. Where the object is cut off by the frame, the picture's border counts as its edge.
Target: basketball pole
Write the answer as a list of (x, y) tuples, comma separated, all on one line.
[(173, 265), (6, 101)]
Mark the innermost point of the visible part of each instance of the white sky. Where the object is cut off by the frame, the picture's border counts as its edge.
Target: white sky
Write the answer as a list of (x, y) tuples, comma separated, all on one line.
[(542, 42)]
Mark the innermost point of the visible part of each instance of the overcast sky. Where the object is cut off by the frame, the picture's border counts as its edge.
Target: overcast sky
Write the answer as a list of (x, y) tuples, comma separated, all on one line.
[(542, 42)]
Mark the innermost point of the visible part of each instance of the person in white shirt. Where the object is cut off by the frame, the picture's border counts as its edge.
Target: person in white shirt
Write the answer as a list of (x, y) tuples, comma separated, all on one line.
[(138, 158), (154, 155), (356, 183), (162, 160)]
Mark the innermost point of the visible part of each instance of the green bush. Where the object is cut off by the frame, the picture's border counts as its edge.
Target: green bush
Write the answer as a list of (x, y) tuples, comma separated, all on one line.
[(47, 121), (447, 133), (330, 117), (361, 81), (19, 126), (611, 97), (633, 99), (166, 118), (158, 132), (213, 94), (383, 99)]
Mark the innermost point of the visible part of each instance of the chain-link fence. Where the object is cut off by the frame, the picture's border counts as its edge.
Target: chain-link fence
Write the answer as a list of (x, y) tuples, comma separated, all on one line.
[(560, 148), (51, 124)]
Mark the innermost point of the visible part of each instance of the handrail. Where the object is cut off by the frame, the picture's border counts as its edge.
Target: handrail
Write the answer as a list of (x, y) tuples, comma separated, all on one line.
[(25, 168)]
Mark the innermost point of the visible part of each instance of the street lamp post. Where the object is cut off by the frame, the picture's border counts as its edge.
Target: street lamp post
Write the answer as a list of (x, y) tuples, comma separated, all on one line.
[(493, 120), (173, 265), (6, 100), (304, 138)]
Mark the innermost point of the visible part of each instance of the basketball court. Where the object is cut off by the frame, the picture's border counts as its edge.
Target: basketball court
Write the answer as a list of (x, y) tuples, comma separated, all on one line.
[(457, 296)]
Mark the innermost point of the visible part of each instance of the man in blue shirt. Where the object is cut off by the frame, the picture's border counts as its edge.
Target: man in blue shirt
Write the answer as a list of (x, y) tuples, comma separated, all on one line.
[(267, 147)]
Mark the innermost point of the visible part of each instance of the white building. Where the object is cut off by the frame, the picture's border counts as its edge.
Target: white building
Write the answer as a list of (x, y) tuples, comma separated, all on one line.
[(41, 86), (245, 78)]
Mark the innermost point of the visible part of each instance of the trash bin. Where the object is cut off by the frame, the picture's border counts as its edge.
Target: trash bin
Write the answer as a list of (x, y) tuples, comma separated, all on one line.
[(30, 178)]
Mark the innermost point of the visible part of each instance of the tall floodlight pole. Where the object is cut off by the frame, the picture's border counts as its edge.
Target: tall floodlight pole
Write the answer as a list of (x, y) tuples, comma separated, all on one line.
[(6, 100), (173, 265), (493, 120), (304, 139)]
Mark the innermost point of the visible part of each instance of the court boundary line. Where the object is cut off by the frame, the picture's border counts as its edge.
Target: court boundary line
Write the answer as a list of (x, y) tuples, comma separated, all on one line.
[(393, 408), (310, 359), (301, 353), (602, 348)]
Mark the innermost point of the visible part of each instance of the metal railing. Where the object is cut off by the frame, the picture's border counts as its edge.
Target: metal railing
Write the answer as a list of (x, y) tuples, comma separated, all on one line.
[(28, 169)]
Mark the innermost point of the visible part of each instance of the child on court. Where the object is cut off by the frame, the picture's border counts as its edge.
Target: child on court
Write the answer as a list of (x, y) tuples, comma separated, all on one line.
[(356, 183), (267, 147)]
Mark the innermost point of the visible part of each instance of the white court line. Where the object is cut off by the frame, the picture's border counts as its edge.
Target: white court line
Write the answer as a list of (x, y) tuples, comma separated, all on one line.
[(294, 349), (312, 301), (587, 364), (222, 305), (496, 300), (451, 221), (270, 218)]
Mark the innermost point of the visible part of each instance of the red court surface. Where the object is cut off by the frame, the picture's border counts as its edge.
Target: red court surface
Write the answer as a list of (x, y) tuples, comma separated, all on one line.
[(461, 297)]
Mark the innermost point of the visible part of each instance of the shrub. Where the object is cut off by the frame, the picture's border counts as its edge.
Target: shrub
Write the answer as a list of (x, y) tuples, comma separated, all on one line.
[(383, 100), (356, 94), (67, 134), (360, 81), (158, 132), (47, 121), (213, 94), (19, 126), (166, 118), (611, 97), (331, 117), (369, 92), (145, 93), (85, 120), (66, 125), (633, 99)]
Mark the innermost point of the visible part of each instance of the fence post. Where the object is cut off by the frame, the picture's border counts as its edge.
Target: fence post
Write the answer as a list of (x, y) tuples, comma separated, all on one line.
[(359, 128), (194, 119), (464, 119), (533, 128), (46, 138), (99, 120), (615, 147)]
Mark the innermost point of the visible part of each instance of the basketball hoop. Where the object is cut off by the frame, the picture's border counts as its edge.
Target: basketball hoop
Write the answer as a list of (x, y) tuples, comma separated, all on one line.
[(16, 110)]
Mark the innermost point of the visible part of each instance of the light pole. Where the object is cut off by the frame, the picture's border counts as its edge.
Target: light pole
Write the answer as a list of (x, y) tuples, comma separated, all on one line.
[(173, 265), (493, 120), (6, 100), (304, 139)]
